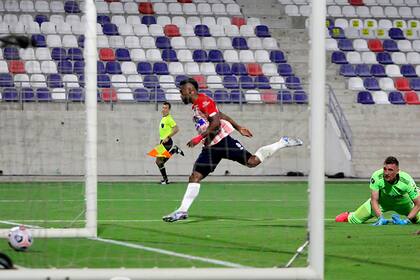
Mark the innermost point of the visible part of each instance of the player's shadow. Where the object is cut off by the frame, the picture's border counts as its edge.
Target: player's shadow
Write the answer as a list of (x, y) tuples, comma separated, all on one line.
[(208, 218)]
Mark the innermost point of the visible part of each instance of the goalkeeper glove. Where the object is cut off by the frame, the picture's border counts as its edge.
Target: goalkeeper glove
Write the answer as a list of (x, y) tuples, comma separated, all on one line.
[(381, 221), (396, 220)]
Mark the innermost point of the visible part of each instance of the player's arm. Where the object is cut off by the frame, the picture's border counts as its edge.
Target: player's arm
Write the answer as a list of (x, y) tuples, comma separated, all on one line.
[(210, 133), (374, 202), (413, 213), (242, 130)]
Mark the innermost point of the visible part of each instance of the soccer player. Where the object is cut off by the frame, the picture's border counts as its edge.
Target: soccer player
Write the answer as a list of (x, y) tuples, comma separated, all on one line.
[(167, 129), (214, 130), (391, 190)]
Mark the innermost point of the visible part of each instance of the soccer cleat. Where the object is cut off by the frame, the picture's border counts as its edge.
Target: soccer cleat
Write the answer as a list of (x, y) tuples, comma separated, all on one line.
[(291, 142), (164, 182), (177, 150), (175, 216), (342, 218)]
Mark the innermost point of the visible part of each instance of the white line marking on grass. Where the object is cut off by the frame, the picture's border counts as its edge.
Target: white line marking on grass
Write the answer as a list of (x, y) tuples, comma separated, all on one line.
[(151, 200), (169, 253), (16, 223)]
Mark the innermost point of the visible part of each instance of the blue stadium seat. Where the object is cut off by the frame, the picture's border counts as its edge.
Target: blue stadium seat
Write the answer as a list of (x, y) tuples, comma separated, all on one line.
[(223, 69), (384, 58), (157, 94), (38, 41), (6, 80), (347, 70), (293, 82), (262, 82), (27, 94), (110, 29), (200, 56), (277, 56), (239, 69), (365, 97), (11, 53), (230, 82), (160, 68), (81, 41), (284, 96), (75, 54), (100, 67), (207, 92), (345, 45), (246, 82), (151, 81), (390, 45), (395, 97), (202, 30), (71, 7), (300, 97), (415, 84), (179, 79), (102, 19), (407, 70), (237, 96), (54, 81), (169, 55), (81, 80), (284, 69), (10, 94), (122, 54), (377, 70), (216, 56), (338, 57), (103, 81), (148, 20), (65, 67), (76, 94), (221, 96), (239, 43), (262, 31), (163, 42), (396, 33), (144, 68), (43, 94), (371, 84), (362, 70), (58, 54), (40, 19), (113, 67), (141, 95)]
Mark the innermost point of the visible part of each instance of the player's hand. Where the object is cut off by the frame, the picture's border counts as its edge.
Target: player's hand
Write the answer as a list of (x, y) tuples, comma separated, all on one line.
[(396, 220), (381, 221), (245, 132), (197, 139)]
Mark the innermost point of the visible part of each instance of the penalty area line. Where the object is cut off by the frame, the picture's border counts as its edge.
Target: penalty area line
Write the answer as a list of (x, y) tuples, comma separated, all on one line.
[(169, 253)]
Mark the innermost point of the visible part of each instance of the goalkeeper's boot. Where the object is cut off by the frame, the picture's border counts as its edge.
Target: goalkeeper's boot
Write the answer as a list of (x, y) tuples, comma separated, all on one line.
[(291, 142), (342, 218), (177, 150), (175, 216)]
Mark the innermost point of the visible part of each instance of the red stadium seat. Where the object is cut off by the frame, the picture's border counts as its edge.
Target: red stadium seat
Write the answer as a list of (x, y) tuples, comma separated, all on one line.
[(411, 98), (254, 69), (106, 54), (269, 96), (146, 8), (185, 1), (16, 67), (375, 45), (109, 94), (356, 2), (171, 30), (238, 21), (201, 80), (402, 84)]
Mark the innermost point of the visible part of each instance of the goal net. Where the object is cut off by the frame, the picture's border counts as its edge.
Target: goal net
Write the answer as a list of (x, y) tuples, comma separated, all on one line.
[(55, 147)]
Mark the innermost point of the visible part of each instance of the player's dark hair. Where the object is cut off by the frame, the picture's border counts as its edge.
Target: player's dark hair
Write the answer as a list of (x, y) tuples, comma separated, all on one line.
[(189, 81), (167, 103), (391, 160)]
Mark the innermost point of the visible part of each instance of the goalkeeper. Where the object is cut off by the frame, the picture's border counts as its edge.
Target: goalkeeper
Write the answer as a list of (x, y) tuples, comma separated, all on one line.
[(391, 190)]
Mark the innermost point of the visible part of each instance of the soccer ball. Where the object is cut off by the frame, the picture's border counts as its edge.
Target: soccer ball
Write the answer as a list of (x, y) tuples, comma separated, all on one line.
[(20, 238)]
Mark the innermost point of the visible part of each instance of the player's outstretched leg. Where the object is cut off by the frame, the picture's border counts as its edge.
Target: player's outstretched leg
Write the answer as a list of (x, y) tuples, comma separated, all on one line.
[(182, 212), (284, 142)]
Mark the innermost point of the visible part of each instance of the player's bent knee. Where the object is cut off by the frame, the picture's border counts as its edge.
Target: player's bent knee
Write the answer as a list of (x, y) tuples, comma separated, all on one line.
[(195, 177), (253, 161)]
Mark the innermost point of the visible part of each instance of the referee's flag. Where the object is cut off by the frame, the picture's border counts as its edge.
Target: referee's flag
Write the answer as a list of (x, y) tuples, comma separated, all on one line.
[(159, 151)]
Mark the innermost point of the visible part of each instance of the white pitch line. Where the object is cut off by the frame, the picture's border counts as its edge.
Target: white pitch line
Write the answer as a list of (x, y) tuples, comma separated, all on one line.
[(16, 223), (169, 253), (151, 200)]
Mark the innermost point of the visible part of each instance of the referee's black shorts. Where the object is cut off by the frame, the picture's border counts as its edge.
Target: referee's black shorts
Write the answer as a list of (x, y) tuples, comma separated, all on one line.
[(227, 148), (168, 145)]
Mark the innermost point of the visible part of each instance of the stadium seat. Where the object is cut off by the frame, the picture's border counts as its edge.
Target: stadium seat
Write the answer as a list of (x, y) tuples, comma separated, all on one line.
[(392, 70), (54, 81), (6, 80), (48, 67), (43, 94), (148, 20), (338, 57), (277, 82), (262, 31), (395, 97), (160, 68), (134, 81), (345, 45), (16, 67), (300, 97), (141, 95), (221, 96), (144, 68), (254, 69), (362, 70), (70, 81), (246, 82), (106, 54), (75, 54), (347, 70), (119, 81), (262, 82), (215, 56), (396, 34), (223, 69), (108, 95), (284, 69), (411, 98), (9, 94), (390, 45), (146, 8), (384, 58), (284, 97), (239, 43), (398, 58), (151, 81), (100, 68), (237, 96), (27, 94), (113, 67), (169, 55), (71, 7), (176, 68), (200, 56), (386, 84), (371, 83), (414, 84), (167, 81), (201, 80), (365, 97), (239, 69), (293, 82), (11, 53), (402, 84), (171, 30), (238, 21), (163, 42), (375, 45), (103, 81), (408, 70), (380, 97), (202, 30), (76, 95)]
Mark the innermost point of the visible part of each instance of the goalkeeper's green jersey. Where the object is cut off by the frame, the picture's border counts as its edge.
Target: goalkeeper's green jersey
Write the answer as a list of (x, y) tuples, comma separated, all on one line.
[(404, 186)]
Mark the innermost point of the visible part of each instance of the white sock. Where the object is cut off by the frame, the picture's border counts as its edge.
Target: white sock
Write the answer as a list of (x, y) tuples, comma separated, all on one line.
[(267, 151), (190, 194)]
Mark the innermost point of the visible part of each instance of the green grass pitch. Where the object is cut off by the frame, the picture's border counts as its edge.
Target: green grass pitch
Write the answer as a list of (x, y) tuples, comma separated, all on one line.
[(256, 224)]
